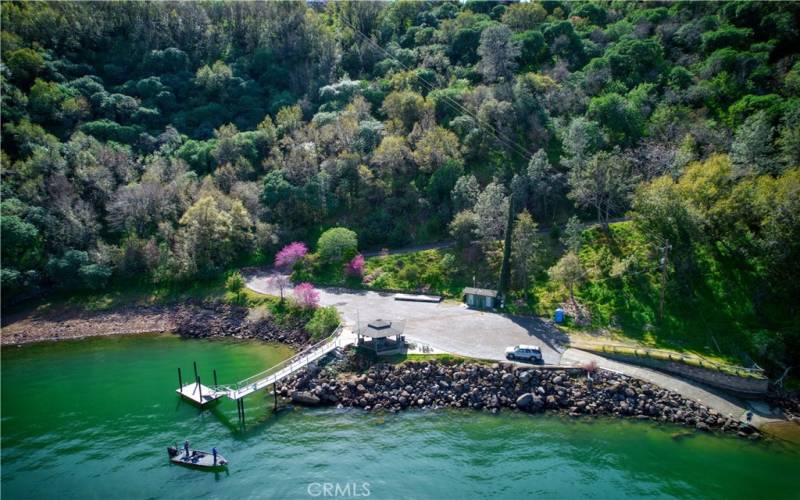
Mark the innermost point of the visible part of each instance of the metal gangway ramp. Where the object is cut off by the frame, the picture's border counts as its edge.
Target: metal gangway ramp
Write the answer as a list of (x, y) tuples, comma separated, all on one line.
[(202, 395), (283, 369)]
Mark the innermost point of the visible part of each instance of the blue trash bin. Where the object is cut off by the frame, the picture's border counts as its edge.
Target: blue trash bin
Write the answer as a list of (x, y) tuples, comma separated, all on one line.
[(559, 316)]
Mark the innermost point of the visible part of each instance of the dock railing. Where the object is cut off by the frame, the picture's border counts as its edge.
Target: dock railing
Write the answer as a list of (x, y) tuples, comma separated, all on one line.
[(288, 366)]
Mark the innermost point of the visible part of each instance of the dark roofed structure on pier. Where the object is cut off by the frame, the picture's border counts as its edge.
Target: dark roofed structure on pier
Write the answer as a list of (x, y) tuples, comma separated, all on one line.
[(382, 336)]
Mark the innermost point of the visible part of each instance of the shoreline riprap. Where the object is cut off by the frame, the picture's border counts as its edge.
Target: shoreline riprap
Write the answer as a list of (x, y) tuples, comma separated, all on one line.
[(217, 319), (564, 390), (501, 386)]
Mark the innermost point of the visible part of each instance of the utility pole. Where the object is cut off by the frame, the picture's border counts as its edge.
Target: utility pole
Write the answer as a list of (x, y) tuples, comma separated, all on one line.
[(664, 265), (505, 269)]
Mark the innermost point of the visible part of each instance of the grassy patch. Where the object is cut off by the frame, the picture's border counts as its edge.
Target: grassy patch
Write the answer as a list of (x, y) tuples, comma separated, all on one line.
[(709, 310), (417, 271), (397, 359), (313, 270), (439, 271), (689, 359)]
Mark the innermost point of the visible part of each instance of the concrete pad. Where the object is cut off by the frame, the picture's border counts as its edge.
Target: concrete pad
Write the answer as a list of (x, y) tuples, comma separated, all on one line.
[(446, 326), (418, 298)]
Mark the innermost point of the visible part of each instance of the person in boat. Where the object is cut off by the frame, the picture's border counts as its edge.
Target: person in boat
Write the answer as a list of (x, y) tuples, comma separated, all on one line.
[(214, 452), (186, 447)]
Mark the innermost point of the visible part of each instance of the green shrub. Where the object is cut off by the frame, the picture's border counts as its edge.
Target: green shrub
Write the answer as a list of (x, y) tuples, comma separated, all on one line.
[(409, 274), (107, 130), (382, 281), (323, 322), (337, 244), (94, 276), (235, 284)]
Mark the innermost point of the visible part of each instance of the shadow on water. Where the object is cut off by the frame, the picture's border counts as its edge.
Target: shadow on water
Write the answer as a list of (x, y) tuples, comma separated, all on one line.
[(253, 425)]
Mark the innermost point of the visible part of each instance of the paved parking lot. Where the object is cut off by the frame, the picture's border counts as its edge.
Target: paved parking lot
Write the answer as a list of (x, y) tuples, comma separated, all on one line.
[(452, 327), (448, 326)]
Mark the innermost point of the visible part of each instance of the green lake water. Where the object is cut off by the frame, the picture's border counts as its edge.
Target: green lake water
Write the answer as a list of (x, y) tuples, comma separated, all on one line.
[(92, 418)]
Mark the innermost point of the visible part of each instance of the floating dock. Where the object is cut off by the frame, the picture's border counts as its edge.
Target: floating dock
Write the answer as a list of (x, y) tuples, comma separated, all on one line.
[(199, 394)]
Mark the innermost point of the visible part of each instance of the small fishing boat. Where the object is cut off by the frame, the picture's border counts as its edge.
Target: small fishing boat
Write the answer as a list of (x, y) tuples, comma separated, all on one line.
[(196, 458)]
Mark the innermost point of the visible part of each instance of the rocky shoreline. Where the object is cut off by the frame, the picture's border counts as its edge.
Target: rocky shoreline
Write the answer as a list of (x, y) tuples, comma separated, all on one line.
[(435, 384), (217, 319), (484, 387), (191, 319), (76, 323)]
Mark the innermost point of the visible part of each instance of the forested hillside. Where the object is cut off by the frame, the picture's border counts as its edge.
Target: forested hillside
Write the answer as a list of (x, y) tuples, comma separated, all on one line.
[(163, 141)]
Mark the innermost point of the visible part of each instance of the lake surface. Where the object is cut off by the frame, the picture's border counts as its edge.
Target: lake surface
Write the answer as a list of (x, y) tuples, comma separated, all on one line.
[(92, 418)]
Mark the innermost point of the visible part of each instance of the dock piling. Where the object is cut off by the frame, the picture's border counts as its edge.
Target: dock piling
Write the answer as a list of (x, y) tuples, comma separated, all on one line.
[(240, 409), (194, 363), (275, 393), (200, 388), (215, 377), (180, 379)]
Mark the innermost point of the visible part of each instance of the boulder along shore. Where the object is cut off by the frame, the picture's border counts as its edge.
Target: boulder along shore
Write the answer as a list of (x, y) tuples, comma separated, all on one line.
[(441, 384), (190, 319)]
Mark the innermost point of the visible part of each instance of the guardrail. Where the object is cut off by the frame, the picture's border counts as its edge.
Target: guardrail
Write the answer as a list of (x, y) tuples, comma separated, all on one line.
[(663, 355), (297, 361)]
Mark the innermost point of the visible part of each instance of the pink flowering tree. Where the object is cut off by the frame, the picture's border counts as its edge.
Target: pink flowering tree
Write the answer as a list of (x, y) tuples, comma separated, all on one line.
[(289, 255), (355, 268), (306, 296)]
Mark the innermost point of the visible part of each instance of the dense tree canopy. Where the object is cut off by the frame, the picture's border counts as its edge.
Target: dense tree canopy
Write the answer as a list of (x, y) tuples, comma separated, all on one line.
[(166, 141)]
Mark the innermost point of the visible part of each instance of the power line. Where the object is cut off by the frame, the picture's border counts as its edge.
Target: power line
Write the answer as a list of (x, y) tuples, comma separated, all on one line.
[(524, 152)]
